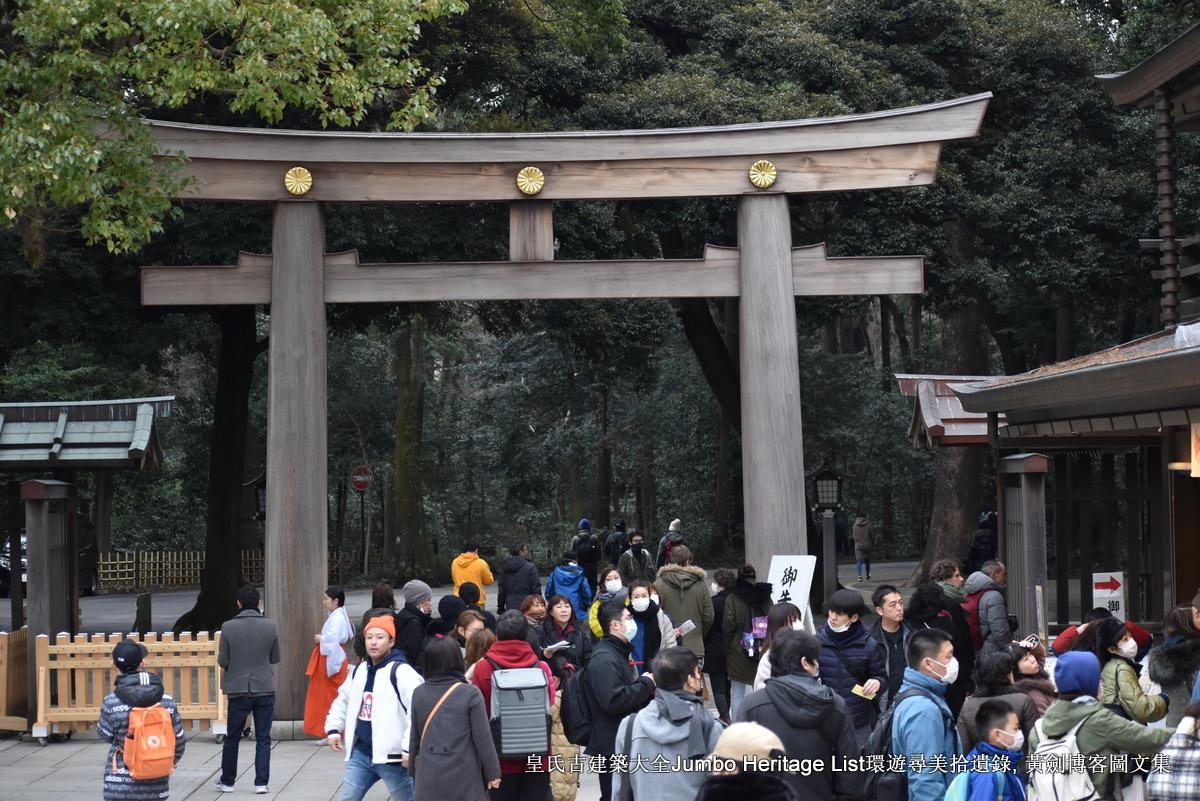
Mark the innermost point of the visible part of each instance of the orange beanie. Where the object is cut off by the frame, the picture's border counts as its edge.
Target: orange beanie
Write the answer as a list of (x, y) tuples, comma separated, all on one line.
[(385, 622)]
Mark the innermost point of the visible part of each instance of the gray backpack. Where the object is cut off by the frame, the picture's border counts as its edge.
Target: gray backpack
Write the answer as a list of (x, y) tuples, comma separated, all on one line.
[(520, 713)]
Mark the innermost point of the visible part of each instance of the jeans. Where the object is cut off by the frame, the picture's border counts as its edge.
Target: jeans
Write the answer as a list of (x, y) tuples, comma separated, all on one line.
[(262, 707), (720, 691), (737, 693), (860, 564), (521, 787), (361, 774)]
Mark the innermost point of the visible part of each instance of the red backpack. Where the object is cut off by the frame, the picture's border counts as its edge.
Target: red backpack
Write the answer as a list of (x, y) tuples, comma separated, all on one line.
[(971, 607), (149, 748)]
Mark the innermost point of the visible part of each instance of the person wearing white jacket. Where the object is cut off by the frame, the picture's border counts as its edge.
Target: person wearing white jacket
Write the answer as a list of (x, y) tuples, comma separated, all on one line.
[(369, 718)]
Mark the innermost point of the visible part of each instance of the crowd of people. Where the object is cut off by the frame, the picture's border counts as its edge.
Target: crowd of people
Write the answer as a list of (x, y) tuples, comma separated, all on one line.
[(608, 667)]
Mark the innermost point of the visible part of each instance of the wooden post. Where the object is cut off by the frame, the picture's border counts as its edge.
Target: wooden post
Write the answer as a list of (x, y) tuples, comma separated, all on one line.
[(530, 231), (772, 446), (296, 527), (102, 511), (1023, 519)]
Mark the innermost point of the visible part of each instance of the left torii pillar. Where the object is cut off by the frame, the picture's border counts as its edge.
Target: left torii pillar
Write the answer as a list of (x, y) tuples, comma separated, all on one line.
[(297, 495)]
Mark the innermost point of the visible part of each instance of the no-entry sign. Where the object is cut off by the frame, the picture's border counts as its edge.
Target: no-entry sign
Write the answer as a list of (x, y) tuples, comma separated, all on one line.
[(361, 478), (1108, 591)]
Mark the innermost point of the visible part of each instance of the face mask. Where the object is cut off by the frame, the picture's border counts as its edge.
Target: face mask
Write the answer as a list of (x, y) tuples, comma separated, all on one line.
[(630, 629), (715, 587), (1018, 739), (640, 604), (1129, 648), (839, 629), (612, 585), (636, 547), (797, 625), (951, 669)]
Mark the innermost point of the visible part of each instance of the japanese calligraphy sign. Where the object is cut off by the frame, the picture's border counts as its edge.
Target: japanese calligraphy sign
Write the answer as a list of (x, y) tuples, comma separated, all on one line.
[(791, 579)]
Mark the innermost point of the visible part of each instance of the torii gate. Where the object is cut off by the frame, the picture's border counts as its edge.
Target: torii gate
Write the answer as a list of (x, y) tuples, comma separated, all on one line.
[(760, 163)]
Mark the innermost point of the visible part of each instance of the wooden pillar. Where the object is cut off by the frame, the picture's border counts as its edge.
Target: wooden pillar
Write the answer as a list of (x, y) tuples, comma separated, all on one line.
[(1023, 482), (296, 550), (772, 446), (102, 511), (530, 231)]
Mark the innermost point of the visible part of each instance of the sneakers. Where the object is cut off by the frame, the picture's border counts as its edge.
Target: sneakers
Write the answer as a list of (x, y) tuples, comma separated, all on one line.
[(224, 788), (859, 578), (261, 789)]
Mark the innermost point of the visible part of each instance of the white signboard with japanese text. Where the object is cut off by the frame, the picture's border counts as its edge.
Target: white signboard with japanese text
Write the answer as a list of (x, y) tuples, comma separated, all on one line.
[(791, 579), (1108, 591)]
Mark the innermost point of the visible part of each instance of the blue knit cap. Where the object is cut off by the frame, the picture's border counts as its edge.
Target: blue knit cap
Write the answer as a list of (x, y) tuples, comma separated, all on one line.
[(1077, 672), (584, 524)]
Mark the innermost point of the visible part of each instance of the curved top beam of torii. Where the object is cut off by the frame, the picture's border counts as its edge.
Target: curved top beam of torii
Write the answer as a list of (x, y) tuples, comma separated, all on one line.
[(899, 147)]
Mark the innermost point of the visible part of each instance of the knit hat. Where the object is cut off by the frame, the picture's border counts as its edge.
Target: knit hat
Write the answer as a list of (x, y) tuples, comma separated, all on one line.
[(416, 592), (676, 524), (128, 655), (584, 524), (1077, 672), (450, 606), (747, 740), (385, 622)]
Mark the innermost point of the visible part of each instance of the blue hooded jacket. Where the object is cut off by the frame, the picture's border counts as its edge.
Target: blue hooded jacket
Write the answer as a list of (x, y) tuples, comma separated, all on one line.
[(568, 580), (923, 725)]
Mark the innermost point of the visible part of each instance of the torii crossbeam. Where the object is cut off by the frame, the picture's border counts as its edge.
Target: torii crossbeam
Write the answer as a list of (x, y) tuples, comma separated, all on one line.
[(759, 163)]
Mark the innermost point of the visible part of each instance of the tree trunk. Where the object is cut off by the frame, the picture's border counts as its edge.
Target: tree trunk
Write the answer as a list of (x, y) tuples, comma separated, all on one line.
[(958, 470), (646, 490), (718, 366), (411, 557), (1064, 328), (721, 510), (914, 320), (603, 510), (222, 575), (885, 348)]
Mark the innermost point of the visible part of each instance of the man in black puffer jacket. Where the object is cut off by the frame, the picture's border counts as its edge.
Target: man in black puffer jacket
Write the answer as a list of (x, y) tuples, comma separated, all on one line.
[(850, 658), (810, 718), (518, 579)]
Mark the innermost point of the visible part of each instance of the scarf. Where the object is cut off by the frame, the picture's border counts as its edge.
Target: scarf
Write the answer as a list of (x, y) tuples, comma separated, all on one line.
[(681, 707), (981, 786), (651, 634), (337, 630), (953, 593)]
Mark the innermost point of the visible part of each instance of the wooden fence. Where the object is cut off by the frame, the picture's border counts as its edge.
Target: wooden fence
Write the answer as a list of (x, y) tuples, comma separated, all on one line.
[(126, 571), (74, 675), (14, 679)]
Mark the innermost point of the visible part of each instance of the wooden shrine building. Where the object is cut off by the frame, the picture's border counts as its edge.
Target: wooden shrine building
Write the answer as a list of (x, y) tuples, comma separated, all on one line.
[(1121, 427), (760, 164)]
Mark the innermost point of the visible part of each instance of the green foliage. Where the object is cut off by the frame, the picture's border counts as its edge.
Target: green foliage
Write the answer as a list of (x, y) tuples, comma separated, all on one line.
[(75, 76)]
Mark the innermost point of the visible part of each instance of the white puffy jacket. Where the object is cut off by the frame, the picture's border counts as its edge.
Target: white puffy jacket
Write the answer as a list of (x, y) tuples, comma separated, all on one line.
[(391, 699)]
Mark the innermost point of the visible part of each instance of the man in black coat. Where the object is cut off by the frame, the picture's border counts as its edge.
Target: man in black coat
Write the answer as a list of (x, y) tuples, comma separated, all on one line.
[(612, 687), (810, 718), (518, 579)]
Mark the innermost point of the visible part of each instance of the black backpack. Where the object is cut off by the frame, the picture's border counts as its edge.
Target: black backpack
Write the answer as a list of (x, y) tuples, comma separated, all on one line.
[(890, 785), (573, 709)]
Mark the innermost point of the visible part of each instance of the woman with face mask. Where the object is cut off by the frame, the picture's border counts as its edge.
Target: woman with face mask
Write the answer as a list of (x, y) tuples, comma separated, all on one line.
[(1120, 690), (654, 629), (994, 681), (562, 626), (780, 617), (611, 586)]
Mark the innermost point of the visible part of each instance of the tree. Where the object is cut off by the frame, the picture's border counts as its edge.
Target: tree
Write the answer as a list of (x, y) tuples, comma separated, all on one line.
[(75, 79)]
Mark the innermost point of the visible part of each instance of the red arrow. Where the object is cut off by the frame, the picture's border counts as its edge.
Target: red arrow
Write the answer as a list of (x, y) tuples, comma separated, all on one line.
[(1112, 584)]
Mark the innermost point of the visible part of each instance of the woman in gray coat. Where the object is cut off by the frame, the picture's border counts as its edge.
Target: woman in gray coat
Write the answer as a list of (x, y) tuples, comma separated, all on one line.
[(444, 709)]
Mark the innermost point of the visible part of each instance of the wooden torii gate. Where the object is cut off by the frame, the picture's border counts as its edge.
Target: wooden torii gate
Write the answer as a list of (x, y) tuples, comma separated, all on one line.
[(759, 163)]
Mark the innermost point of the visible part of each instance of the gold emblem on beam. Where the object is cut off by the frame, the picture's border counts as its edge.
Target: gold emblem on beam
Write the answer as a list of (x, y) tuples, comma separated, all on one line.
[(763, 174), (530, 180), (298, 180)]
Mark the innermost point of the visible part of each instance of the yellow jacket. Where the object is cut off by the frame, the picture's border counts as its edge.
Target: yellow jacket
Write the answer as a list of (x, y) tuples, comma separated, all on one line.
[(469, 567)]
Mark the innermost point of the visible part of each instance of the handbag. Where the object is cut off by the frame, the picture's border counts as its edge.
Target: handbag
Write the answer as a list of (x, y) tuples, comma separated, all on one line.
[(436, 707)]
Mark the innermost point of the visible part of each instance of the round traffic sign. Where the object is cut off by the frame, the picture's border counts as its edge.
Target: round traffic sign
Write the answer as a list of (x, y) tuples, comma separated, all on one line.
[(361, 478)]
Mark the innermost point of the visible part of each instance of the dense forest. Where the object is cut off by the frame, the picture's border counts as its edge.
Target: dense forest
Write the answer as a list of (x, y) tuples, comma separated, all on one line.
[(509, 421)]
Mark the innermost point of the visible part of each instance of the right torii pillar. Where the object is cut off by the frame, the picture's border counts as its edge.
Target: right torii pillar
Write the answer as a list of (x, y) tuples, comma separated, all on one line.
[(772, 439)]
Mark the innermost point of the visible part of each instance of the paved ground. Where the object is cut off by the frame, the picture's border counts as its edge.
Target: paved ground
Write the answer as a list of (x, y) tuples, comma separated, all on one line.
[(72, 771)]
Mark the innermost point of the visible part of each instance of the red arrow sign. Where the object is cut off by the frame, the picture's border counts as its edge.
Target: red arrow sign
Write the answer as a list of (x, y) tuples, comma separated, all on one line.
[(1111, 585)]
